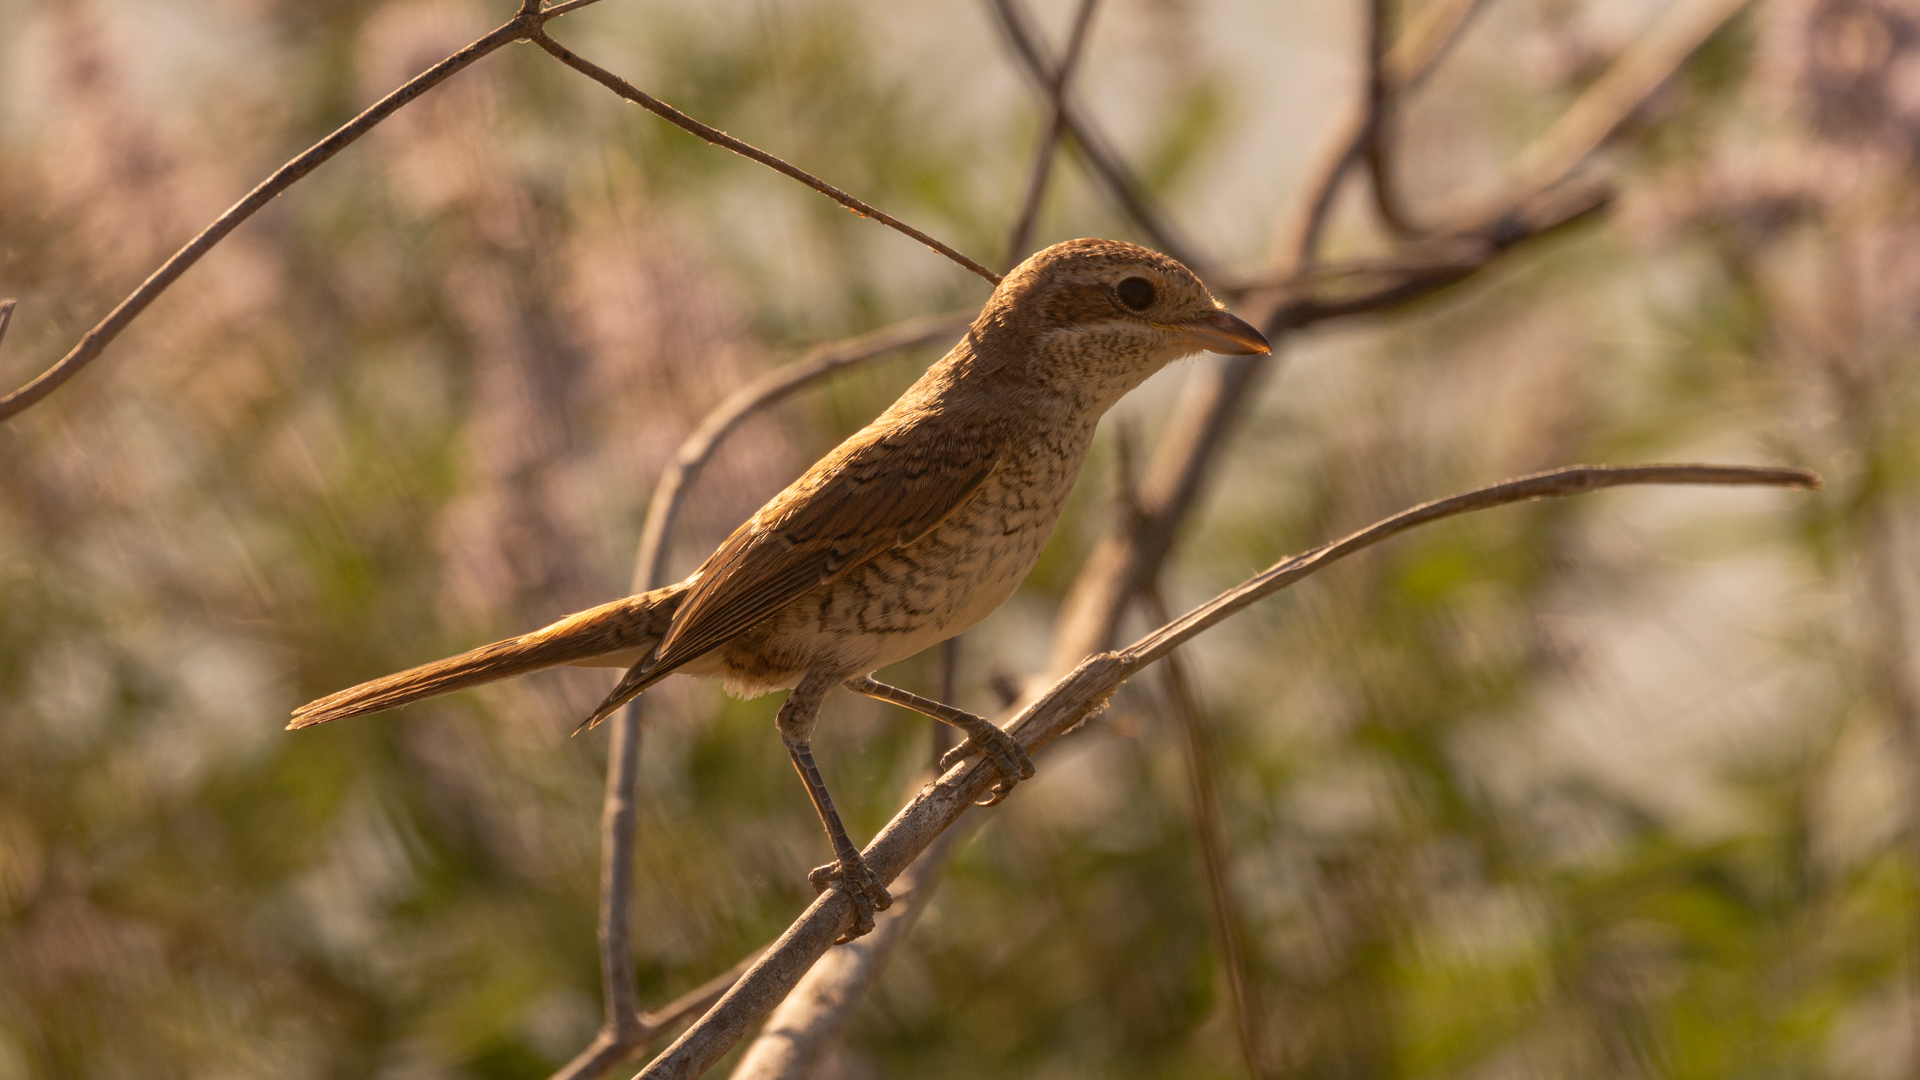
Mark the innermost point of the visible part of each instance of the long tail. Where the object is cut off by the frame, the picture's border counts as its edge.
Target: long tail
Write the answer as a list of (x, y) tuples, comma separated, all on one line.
[(632, 625)]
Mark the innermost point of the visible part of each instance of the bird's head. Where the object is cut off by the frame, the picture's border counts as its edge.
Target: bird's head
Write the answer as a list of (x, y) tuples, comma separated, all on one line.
[(1103, 315)]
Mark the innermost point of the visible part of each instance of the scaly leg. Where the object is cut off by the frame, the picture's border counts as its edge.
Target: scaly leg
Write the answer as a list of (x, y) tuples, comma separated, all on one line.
[(999, 748), (796, 719)]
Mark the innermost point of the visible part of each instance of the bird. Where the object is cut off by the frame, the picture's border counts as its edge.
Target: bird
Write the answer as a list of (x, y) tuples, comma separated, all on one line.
[(909, 532)]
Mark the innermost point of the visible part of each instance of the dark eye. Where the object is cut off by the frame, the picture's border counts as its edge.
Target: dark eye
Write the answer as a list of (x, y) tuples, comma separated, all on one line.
[(1136, 293)]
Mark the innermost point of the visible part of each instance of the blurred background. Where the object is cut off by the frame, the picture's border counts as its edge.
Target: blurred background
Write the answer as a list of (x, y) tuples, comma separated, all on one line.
[(1618, 786)]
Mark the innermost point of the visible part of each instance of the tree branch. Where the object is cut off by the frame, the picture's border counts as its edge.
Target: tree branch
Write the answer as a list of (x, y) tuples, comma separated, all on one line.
[(1201, 783), (1606, 106), (1042, 170), (714, 135), (1376, 138), (1078, 696), (96, 340), (1400, 70), (1106, 166)]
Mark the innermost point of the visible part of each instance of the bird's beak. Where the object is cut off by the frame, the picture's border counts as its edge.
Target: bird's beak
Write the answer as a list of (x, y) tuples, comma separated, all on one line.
[(1224, 333)]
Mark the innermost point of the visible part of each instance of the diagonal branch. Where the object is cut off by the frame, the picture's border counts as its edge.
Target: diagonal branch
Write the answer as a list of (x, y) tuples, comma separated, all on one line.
[(1377, 136), (1606, 106), (1394, 72), (714, 135), (1078, 696), (1042, 171), (1107, 167), (525, 23)]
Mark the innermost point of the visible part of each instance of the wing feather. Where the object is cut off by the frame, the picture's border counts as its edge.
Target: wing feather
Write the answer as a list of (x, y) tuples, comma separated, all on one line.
[(866, 498)]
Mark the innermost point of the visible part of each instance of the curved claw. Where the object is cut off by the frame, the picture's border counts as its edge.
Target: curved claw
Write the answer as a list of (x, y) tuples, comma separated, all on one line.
[(1003, 752), (862, 887)]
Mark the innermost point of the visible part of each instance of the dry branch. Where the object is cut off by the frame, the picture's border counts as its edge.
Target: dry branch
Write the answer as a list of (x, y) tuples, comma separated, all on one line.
[(715, 136), (1078, 696), (1042, 170), (1106, 166), (96, 340)]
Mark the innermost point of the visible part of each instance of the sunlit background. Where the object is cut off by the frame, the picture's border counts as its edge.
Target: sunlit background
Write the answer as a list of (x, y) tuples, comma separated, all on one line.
[(1620, 786)]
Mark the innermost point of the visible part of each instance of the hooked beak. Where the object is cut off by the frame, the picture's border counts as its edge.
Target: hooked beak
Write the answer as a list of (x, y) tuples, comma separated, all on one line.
[(1229, 335)]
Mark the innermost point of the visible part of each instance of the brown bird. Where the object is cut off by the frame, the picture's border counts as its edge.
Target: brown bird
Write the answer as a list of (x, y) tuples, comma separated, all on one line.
[(908, 533)]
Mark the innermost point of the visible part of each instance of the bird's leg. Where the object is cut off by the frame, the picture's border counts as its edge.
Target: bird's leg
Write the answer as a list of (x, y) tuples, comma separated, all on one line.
[(999, 748), (796, 720)]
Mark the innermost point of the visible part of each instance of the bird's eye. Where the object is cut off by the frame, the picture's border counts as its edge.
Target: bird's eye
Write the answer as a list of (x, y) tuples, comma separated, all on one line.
[(1136, 293)]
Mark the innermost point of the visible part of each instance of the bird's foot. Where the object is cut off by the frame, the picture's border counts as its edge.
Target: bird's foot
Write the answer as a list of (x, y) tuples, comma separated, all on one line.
[(1001, 750), (862, 886)]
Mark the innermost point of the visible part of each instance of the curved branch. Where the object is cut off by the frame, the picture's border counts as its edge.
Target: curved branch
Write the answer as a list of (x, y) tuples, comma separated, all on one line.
[(96, 340), (1078, 696), (1042, 170), (1106, 166), (714, 135)]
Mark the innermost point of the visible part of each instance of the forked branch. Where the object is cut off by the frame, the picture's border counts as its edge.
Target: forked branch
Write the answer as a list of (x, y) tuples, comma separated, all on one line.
[(1082, 693)]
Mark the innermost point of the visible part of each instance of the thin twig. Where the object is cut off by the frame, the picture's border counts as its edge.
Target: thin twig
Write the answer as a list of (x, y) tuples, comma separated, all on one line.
[(1042, 170), (1076, 697), (1403, 67), (1377, 137), (96, 340), (1606, 106), (1106, 166), (1213, 849), (608, 1049), (714, 135)]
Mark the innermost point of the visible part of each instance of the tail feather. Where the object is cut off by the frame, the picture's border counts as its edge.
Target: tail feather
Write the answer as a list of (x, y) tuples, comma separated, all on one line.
[(634, 623)]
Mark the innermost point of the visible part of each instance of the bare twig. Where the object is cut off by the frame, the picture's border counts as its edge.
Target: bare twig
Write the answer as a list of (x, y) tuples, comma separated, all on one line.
[(1606, 106), (1076, 697), (1042, 170), (1377, 135), (609, 1049), (1213, 850), (527, 21), (714, 135), (1105, 165), (1402, 68)]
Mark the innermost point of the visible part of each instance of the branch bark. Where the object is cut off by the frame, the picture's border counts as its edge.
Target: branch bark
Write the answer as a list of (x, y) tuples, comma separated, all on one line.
[(1079, 695), (95, 341), (1042, 170), (1106, 166), (715, 136)]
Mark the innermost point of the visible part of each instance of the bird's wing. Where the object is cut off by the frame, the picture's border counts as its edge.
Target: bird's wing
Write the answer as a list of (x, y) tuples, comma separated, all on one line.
[(864, 499)]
